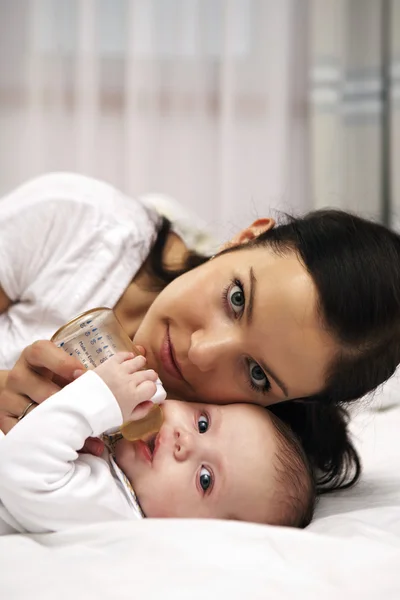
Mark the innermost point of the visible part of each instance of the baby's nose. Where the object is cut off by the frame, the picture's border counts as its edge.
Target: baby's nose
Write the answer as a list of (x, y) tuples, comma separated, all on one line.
[(183, 445)]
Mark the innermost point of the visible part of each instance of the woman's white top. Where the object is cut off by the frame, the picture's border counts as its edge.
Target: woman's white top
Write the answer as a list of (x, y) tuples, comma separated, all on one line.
[(68, 243), (45, 484)]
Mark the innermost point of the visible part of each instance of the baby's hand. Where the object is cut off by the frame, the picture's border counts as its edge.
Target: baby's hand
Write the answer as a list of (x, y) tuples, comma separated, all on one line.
[(130, 384)]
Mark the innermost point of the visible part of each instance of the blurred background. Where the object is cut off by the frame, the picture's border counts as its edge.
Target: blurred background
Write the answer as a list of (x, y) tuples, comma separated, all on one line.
[(235, 108)]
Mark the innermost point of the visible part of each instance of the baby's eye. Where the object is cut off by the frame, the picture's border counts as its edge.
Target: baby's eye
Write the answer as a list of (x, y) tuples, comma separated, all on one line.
[(203, 423), (205, 479), (236, 298)]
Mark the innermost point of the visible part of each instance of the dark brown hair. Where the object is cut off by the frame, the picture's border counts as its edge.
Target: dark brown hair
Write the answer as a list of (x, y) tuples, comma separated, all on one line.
[(355, 266)]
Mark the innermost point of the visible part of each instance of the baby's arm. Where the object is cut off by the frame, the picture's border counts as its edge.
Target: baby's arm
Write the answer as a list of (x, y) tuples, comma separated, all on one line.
[(44, 483)]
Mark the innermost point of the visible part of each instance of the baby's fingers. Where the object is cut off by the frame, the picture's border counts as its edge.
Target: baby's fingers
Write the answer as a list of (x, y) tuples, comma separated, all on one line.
[(93, 446), (134, 364), (144, 392), (122, 357), (141, 411), (138, 377)]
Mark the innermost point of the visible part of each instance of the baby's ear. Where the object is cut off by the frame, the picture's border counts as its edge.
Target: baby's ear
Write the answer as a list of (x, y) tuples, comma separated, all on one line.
[(246, 235)]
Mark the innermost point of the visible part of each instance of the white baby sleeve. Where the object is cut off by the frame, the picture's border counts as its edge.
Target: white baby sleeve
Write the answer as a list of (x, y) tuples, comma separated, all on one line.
[(44, 483)]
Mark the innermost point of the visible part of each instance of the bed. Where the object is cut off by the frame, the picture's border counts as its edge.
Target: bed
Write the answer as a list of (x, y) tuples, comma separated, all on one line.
[(351, 550)]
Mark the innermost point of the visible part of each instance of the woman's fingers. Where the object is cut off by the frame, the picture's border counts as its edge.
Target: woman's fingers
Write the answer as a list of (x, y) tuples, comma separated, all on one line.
[(140, 349), (23, 381), (45, 357), (13, 404), (7, 422), (34, 378)]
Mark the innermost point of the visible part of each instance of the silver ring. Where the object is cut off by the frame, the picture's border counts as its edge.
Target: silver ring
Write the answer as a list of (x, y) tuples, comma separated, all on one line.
[(26, 410)]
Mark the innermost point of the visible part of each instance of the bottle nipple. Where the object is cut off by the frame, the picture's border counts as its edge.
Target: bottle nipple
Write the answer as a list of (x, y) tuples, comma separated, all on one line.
[(148, 425)]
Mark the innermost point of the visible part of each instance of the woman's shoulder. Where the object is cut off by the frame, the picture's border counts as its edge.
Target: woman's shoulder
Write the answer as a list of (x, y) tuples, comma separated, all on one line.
[(74, 189), (65, 201)]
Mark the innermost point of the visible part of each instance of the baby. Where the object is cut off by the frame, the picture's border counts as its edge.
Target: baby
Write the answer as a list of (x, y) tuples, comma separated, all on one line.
[(235, 461)]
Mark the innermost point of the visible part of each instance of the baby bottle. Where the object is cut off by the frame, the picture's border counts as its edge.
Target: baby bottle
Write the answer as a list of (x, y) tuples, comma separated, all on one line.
[(93, 337)]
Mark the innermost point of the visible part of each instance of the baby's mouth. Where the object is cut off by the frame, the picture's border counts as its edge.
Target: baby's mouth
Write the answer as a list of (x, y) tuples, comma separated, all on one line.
[(151, 443)]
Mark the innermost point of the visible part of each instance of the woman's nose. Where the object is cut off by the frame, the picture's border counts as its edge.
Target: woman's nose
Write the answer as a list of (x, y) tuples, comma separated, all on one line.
[(183, 445), (207, 348)]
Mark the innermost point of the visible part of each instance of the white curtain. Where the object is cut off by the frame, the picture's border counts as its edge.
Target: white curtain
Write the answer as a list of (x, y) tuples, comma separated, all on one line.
[(355, 106), (204, 100)]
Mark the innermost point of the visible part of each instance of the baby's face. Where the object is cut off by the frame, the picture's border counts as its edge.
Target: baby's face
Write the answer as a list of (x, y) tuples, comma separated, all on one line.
[(208, 461)]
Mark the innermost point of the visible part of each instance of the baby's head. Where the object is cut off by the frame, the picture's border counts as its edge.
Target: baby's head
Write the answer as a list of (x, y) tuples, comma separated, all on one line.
[(236, 461)]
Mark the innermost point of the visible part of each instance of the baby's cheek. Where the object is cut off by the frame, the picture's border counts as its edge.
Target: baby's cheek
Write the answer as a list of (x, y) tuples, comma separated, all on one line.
[(158, 499), (153, 510)]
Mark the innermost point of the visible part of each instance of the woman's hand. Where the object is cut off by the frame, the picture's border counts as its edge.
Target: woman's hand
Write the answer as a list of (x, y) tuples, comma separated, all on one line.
[(41, 371)]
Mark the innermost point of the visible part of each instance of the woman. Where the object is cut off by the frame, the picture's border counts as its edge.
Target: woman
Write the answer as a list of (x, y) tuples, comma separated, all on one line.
[(304, 316)]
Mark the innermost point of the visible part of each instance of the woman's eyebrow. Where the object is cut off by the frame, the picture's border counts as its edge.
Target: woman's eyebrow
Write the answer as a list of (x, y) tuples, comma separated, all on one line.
[(249, 316), (250, 304), (278, 382)]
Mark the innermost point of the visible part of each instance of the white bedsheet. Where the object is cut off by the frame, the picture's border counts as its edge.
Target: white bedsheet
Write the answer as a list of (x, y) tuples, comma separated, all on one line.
[(352, 549)]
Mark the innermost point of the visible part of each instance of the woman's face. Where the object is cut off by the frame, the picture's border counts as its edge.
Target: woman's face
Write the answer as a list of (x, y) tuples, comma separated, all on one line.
[(243, 327)]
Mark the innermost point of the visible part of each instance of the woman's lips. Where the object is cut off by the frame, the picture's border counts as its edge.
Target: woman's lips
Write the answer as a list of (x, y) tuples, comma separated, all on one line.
[(167, 358)]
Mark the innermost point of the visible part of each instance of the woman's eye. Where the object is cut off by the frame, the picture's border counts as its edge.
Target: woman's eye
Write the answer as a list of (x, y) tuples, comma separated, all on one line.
[(205, 479), (203, 423), (236, 298), (257, 376)]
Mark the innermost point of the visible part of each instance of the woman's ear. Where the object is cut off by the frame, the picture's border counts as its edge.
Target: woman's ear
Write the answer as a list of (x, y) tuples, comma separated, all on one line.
[(246, 235)]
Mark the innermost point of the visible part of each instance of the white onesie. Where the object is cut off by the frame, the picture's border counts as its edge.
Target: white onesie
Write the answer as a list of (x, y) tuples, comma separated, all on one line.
[(45, 485)]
